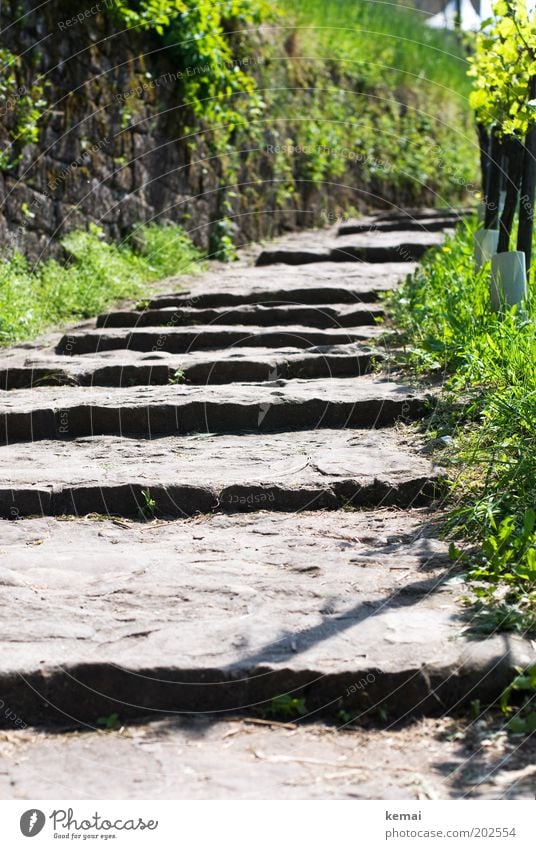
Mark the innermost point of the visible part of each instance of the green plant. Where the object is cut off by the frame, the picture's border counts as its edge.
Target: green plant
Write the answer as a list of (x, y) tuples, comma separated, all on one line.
[(489, 366), (179, 376), (96, 274), (110, 722), (149, 507), (22, 106), (502, 66), (524, 722), (286, 707)]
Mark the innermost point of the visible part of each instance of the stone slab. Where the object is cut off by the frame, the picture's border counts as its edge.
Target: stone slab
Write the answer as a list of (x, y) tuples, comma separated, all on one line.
[(329, 283), (207, 337), (259, 315), (231, 758), (309, 470), (133, 368), (66, 412), (347, 611), (377, 247)]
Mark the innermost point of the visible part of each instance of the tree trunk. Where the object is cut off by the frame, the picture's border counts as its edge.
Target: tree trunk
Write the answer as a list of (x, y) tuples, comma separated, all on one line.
[(514, 151), (528, 186), (493, 185), (483, 143)]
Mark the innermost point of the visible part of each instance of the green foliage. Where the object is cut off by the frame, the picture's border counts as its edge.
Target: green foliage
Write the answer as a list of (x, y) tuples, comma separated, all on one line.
[(356, 92), (110, 722), (489, 361), (504, 62), (524, 719), (148, 510), (198, 35), (22, 107), (286, 707), (97, 274)]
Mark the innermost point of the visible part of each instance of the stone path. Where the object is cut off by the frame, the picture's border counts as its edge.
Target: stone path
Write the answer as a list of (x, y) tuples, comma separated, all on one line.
[(225, 506)]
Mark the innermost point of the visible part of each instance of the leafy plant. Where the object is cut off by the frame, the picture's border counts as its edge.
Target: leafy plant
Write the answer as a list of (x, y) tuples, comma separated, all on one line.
[(502, 66), (179, 376), (286, 707), (110, 722), (148, 509), (524, 722)]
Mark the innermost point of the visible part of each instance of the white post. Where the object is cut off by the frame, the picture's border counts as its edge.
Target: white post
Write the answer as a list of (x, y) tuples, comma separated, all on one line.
[(485, 245), (508, 279)]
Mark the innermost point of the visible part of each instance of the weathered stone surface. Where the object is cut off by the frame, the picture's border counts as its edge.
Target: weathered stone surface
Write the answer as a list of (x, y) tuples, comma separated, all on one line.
[(330, 283), (183, 340), (367, 247), (133, 368), (215, 757), (65, 412), (427, 225), (259, 315), (309, 470), (420, 214), (227, 613)]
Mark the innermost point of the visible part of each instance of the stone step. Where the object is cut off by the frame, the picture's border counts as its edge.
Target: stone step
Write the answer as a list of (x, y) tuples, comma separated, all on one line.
[(259, 315), (308, 470), (207, 337), (66, 412), (341, 611), (331, 283), (403, 246), (136, 368), (430, 225), (400, 252), (270, 755), (420, 214)]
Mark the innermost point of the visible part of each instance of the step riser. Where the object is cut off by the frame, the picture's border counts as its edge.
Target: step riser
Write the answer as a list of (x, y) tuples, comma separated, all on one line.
[(201, 374), (84, 693), (430, 226), (264, 318), (207, 417), (311, 296), (405, 252), (181, 343), (180, 501)]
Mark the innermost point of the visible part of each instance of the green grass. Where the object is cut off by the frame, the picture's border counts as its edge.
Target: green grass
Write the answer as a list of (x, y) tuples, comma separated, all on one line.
[(97, 274), (374, 83), (489, 361), (385, 42)]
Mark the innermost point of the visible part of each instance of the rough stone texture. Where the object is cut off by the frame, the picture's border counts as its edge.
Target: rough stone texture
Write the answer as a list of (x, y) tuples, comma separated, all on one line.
[(230, 758), (355, 613), (329, 283), (236, 473), (64, 412), (370, 248), (129, 368), (206, 337), (259, 315), (426, 225), (228, 613)]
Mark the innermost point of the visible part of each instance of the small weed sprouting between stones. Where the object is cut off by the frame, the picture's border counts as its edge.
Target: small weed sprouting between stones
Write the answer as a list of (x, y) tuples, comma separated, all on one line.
[(110, 722), (179, 376), (147, 511), (286, 707)]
